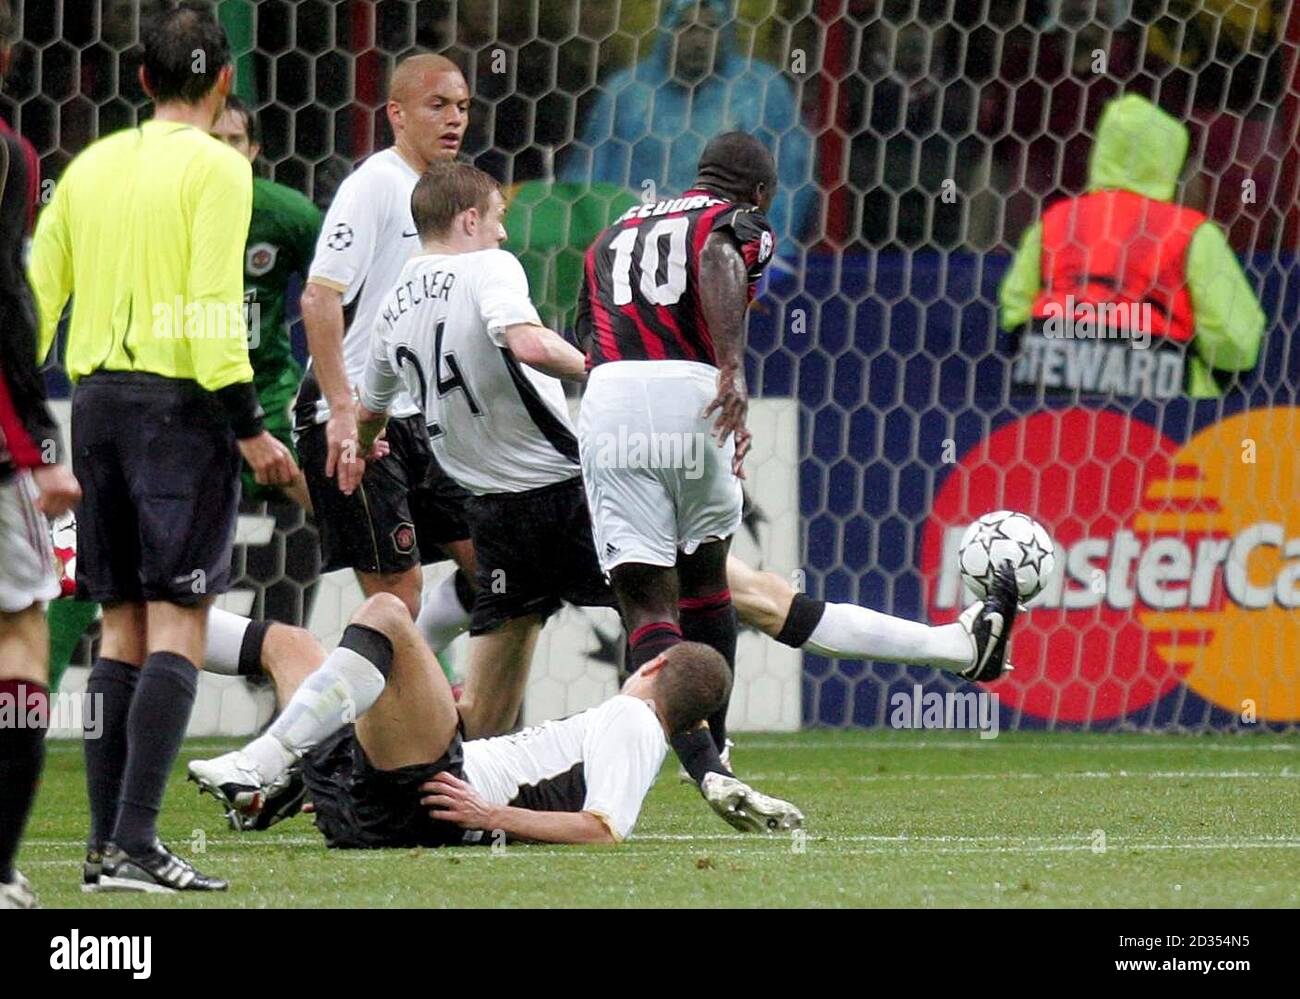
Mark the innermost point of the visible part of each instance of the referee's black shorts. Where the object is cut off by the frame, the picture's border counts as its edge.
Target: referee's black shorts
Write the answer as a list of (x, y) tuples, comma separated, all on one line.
[(534, 550), (159, 473), (405, 507)]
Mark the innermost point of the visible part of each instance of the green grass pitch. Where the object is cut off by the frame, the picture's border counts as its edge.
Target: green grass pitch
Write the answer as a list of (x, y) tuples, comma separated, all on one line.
[(894, 819)]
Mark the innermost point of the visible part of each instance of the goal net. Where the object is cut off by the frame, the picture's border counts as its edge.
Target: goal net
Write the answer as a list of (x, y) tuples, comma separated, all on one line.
[(920, 144)]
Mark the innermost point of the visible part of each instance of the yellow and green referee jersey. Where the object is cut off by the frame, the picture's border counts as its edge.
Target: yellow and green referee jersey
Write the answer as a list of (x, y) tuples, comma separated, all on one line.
[(146, 231)]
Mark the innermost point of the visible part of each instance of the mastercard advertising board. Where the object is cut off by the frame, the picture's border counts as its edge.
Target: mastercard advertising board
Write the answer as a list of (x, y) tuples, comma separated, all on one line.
[(1176, 597)]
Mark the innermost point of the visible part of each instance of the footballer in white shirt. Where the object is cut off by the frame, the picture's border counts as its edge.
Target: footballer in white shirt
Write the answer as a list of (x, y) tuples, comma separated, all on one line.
[(403, 776), (460, 334), (407, 512)]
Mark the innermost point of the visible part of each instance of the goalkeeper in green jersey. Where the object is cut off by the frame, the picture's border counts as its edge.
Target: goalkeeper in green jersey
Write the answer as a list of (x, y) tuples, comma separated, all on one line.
[(281, 242)]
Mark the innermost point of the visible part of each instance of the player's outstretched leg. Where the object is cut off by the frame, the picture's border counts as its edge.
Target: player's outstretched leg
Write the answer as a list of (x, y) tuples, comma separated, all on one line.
[(989, 623), (769, 603), (240, 646)]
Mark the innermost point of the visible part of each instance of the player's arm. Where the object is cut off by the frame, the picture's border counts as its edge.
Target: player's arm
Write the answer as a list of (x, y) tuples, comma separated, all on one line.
[(221, 195), (28, 428), (451, 799), (724, 297), (380, 384), (322, 317), (58, 490), (512, 323), (546, 350), (343, 257)]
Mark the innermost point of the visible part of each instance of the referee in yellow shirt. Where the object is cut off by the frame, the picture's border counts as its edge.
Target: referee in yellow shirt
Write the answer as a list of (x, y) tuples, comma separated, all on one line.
[(146, 232)]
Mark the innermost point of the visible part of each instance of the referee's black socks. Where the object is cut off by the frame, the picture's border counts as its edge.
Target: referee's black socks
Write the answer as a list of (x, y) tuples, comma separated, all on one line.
[(22, 751), (160, 712), (109, 692)]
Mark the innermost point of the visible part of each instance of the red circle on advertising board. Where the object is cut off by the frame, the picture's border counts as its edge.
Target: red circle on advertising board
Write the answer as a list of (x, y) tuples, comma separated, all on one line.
[(1083, 655)]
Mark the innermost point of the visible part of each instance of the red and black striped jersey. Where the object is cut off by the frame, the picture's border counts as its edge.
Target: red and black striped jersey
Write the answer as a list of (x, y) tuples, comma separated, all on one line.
[(28, 435), (640, 293)]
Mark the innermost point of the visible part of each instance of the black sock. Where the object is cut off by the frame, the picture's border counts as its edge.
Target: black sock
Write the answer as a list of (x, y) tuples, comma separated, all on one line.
[(250, 649), (712, 620), (109, 692), (156, 726), (22, 751), (649, 640), (371, 645), (801, 621), (698, 754)]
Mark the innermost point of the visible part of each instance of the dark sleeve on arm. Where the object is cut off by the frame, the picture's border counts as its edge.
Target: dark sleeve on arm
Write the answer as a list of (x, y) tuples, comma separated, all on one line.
[(754, 237), (25, 387)]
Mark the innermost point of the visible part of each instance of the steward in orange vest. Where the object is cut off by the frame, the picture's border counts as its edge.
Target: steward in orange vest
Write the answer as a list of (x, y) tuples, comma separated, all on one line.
[(1124, 292)]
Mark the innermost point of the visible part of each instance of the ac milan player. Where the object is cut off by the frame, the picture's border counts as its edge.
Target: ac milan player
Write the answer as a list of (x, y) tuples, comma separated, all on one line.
[(32, 486), (661, 316)]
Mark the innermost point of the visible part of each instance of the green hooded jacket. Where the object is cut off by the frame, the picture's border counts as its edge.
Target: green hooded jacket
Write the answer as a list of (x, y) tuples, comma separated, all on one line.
[(1140, 148)]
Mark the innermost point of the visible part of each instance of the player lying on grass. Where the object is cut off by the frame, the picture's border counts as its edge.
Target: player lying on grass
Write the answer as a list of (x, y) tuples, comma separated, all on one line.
[(402, 776), (260, 783)]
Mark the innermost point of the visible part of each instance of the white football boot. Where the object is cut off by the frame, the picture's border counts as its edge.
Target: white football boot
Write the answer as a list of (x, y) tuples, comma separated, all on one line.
[(748, 810), (234, 780)]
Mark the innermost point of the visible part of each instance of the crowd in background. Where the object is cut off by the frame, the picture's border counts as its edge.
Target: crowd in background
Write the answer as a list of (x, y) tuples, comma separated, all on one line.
[(898, 124)]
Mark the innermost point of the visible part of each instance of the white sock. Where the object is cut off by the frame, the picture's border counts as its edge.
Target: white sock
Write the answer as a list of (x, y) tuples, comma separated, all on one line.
[(225, 639), (847, 631), (342, 689), (442, 616)]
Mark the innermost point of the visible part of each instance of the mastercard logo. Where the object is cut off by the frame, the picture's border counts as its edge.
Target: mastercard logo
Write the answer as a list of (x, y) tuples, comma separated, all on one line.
[(1177, 565)]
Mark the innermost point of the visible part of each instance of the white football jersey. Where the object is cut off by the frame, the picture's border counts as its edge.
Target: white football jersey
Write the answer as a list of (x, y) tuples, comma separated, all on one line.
[(603, 760), (367, 237), (497, 426)]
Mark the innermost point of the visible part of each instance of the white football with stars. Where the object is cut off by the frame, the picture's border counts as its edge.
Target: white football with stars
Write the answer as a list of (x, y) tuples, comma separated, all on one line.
[(1006, 536)]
